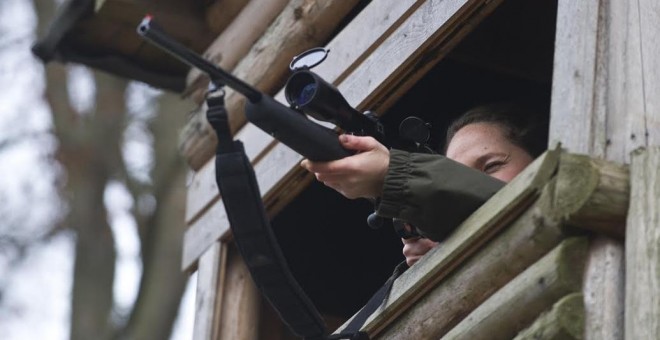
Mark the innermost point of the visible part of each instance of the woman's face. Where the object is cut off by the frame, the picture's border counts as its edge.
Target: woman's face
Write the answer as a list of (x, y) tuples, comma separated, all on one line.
[(483, 146)]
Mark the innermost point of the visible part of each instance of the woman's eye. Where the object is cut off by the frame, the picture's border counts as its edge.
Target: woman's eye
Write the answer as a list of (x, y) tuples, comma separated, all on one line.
[(492, 167)]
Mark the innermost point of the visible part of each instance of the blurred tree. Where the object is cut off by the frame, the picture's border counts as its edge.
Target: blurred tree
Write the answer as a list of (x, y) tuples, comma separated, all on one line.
[(90, 149)]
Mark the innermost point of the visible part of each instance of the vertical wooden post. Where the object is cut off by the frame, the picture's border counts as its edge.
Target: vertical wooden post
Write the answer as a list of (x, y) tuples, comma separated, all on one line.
[(642, 319), (210, 276)]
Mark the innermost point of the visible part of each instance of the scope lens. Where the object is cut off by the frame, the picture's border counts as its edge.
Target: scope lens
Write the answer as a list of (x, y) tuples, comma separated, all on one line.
[(306, 94)]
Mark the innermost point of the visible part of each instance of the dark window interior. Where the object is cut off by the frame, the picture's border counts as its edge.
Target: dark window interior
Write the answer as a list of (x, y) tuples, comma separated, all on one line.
[(334, 255)]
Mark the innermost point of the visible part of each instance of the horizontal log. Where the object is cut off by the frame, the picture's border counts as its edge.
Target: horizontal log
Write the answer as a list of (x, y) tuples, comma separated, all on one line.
[(565, 321), (516, 305), (592, 194), (642, 292), (460, 292)]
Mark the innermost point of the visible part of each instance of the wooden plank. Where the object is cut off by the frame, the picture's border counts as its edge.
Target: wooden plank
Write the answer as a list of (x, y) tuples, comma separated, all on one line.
[(411, 50), (241, 301), (604, 290), (573, 119), (301, 25), (203, 190), (210, 277), (348, 48), (501, 209), (516, 305), (209, 228), (642, 295), (565, 321), (436, 14), (633, 77), (592, 194), (278, 184)]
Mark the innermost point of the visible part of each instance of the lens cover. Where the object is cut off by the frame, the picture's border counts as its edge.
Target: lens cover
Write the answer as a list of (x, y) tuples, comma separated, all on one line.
[(308, 59)]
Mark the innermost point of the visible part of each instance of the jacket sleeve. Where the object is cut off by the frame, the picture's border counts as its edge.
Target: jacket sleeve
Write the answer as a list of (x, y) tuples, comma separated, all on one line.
[(433, 193)]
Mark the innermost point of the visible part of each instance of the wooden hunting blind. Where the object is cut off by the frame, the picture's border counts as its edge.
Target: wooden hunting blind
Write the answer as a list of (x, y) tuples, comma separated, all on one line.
[(569, 250)]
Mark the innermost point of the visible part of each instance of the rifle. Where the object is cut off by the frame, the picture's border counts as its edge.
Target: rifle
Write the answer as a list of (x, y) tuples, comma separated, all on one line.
[(307, 93)]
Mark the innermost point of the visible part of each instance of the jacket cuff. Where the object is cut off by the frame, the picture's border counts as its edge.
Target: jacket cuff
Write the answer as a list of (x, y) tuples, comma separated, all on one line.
[(395, 187)]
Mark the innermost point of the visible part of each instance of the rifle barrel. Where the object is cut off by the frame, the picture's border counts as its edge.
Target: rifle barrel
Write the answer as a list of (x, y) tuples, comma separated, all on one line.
[(154, 34)]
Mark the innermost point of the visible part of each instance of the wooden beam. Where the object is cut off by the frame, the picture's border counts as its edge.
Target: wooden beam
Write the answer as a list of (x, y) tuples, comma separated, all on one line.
[(592, 194), (210, 279), (642, 318), (516, 305), (477, 230), (301, 25), (565, 321)]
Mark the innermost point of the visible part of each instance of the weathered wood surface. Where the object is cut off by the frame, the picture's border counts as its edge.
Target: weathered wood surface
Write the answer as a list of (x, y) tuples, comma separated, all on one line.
[(479, 228), (301, 25), (606, 77), (411, 50), (472, 281), (241, 301), (642, 295), (604, 103), (565, 321), (604, 290), (235, 41), (593, 194), (516, 305), (210, 276), (438, 21)]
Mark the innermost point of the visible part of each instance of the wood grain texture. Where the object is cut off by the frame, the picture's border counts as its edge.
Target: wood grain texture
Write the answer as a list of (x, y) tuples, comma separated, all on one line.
[(516, 305), (642, 294), (565, 321), (604, 290), (241, 301), (592, 194), (210, 276), (235, 41), (606, 77)]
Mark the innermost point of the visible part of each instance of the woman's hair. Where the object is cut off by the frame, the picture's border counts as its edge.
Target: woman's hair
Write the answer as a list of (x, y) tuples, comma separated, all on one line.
[(523, 125)]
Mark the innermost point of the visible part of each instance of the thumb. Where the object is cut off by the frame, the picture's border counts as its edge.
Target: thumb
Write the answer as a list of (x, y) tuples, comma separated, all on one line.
[(358, 143)]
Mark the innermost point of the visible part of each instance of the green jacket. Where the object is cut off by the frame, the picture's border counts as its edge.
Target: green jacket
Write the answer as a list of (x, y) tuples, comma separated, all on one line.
[(433, 193)]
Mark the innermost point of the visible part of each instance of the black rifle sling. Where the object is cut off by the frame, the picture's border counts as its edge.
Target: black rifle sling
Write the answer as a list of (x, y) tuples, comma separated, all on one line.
[(252, 232)]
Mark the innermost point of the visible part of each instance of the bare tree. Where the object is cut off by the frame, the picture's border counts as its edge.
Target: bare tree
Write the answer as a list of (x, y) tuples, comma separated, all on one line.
[(90, 152)]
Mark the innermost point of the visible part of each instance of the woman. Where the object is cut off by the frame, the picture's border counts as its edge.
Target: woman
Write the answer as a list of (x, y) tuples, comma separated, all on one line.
[(432, 192)]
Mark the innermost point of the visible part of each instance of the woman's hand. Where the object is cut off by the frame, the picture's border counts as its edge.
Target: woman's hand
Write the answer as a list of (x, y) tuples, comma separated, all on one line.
[(414, 248), (360, 175)]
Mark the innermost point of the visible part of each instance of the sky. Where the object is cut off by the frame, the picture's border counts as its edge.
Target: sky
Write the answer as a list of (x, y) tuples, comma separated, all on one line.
[(36, 293)]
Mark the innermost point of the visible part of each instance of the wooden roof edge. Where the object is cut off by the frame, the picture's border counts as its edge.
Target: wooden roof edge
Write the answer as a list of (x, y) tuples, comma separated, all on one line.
[(123, 67), (46, 48)]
